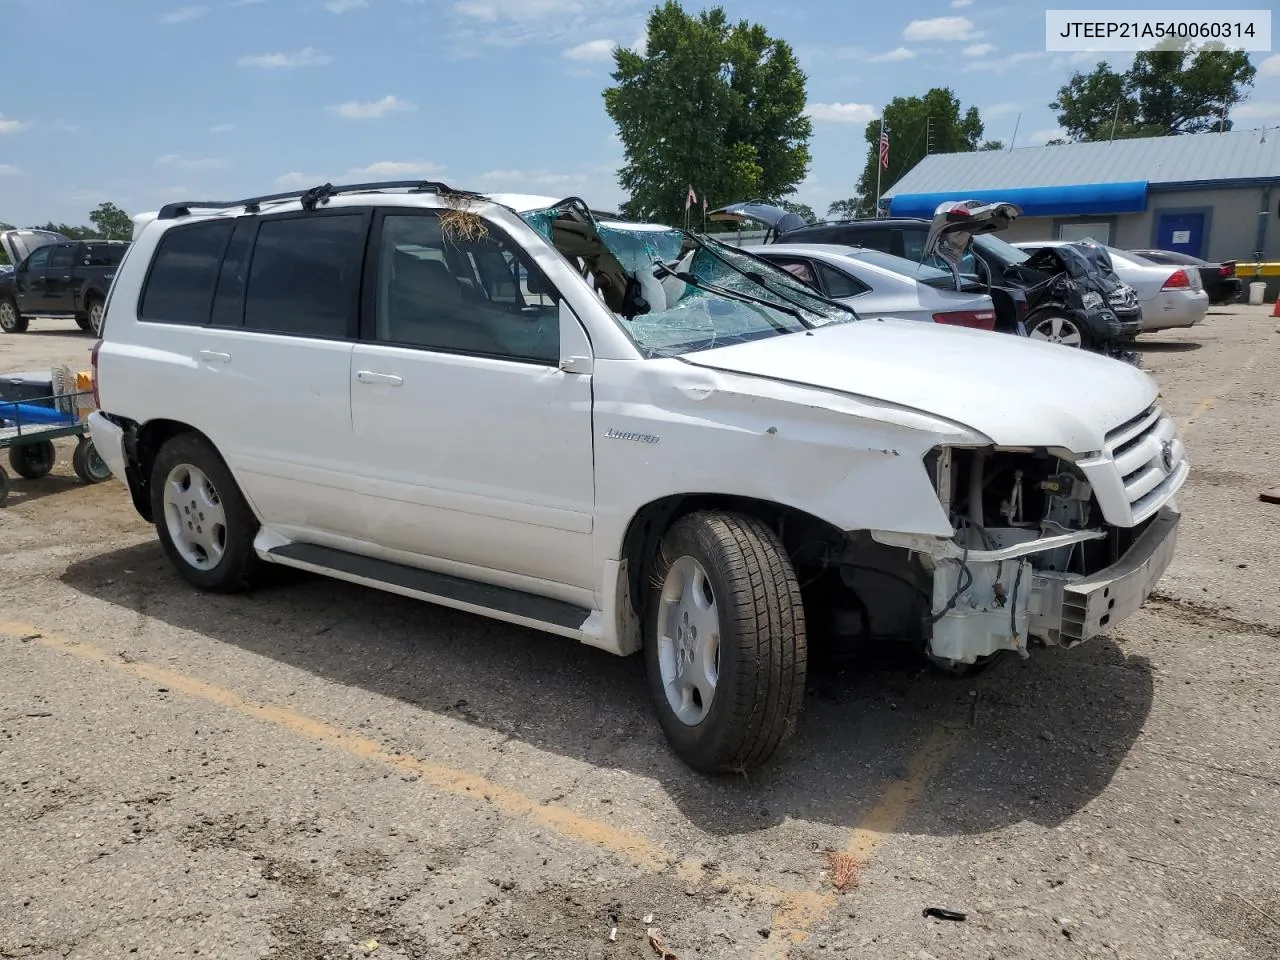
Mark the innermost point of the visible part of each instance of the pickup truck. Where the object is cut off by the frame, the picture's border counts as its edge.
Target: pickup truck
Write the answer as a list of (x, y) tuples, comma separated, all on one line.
[(55, 276)]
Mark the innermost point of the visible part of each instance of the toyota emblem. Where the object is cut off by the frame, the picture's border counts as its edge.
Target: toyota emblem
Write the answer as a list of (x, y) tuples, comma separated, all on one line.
[(1166, 455)]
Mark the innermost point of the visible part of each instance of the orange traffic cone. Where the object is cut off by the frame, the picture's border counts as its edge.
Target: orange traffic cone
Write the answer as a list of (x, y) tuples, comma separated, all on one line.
[(1275, 308)]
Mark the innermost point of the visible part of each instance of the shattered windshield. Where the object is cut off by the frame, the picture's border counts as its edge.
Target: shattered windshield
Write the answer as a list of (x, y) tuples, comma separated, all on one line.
[(709, 296)]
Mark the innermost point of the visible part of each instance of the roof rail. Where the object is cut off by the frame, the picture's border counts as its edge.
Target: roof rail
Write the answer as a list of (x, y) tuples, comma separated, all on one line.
[(309, 197)]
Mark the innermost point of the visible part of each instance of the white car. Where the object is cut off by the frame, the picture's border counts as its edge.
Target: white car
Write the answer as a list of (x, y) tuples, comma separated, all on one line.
[(623, 434), (881, 285), (1170, 296)]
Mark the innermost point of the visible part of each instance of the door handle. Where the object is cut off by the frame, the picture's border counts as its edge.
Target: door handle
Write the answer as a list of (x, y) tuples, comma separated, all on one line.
[(213, 356), (369, 376)]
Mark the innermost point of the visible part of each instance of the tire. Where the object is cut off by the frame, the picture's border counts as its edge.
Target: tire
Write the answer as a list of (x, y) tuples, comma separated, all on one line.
[(4, 487), (203, 521), (33, 460), (96, 314), (11, 321), (1054, 327), (82, 321), (88, 463), (733, 574)]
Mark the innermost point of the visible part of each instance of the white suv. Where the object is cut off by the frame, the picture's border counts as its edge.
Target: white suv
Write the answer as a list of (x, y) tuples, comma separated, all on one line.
[(623, 434)]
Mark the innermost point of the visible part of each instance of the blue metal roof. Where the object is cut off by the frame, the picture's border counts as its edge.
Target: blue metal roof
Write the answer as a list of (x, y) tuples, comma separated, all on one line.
[(1200, 159), (1062, 201)]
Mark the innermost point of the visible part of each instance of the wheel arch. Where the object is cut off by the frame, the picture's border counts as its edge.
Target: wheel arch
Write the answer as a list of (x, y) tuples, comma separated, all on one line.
[(142, 443)]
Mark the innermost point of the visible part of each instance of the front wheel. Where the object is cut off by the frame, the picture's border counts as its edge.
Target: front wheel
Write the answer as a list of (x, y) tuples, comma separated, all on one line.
[(725, 642), (33, 460), (10, 320), (1054, 327), (204, 523)]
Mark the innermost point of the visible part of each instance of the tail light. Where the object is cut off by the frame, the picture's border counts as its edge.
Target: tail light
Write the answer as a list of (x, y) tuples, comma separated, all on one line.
[(93, 362), (1227, 270), (977, 319), (1179, 281)]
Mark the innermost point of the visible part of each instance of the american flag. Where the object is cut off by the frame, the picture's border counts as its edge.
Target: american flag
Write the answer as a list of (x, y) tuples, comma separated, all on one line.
[(884, 148), (690, 199)]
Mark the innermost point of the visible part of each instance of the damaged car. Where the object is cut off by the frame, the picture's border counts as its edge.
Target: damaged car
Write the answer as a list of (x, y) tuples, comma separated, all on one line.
[(642, 439)]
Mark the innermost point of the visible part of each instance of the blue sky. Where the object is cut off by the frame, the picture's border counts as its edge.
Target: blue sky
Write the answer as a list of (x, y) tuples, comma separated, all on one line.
[(145, 101)]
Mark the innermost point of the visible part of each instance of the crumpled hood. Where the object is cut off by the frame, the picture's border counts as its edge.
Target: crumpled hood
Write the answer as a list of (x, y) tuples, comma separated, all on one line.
[(1016, 391)]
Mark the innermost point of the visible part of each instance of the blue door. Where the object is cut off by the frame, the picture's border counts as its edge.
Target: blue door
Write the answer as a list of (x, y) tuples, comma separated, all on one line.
[(1183, 232)]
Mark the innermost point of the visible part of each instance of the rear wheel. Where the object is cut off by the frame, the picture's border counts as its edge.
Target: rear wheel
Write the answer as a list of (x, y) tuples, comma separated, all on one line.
[(203, 521), (33, 460), (1054, 327), (4, 487), (725, 643), (10, 320), (97, 312), (82, 321)]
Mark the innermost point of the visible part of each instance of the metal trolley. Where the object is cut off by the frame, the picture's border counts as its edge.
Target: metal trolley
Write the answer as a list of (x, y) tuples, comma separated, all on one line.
[(28, 428)]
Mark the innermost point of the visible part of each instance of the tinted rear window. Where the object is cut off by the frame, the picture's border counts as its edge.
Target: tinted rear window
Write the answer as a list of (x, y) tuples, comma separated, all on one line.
[(184, 273), (305, 275), (104, 254)]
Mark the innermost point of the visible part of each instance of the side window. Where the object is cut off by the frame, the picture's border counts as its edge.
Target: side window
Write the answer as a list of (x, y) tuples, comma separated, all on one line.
[(38, 260), (838, 284), (305, 275), (62, 256), (179, 288), (472, 292), (913, 244), (103, 254), (233, 276)]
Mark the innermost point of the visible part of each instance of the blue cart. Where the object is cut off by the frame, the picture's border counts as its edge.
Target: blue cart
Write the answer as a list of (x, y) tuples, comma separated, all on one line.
[(28, 429)]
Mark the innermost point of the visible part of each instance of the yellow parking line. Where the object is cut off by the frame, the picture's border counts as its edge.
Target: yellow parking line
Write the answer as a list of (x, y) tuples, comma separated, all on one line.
[(1223, 389), (793, 924), (628, 845)]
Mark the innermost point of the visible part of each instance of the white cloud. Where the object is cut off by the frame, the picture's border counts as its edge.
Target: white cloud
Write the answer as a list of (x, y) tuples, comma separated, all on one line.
[(491, 11), (592, 50), (1000, 109), (940, 28), (342, 6), (8, 125), (979, 49), (372, 109), (222, 128), (298, 181), (1005, 63), (1270, 67), (1043, 136), (541, 178), (841, 112), (306, 57), (898, 53), (178, 161), (396, 168), (961, 3), (183, 14), (8, 170), (1257, 110)]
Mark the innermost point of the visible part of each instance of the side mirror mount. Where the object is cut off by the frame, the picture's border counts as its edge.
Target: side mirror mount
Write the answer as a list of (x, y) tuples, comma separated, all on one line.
[(579, 365)]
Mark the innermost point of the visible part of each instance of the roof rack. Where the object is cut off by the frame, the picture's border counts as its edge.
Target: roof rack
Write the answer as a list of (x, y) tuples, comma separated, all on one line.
[(310, 197)]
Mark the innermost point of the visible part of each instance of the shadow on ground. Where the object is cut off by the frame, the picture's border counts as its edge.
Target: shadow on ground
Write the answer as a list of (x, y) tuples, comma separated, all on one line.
[(1167, 346), (1046, 736)]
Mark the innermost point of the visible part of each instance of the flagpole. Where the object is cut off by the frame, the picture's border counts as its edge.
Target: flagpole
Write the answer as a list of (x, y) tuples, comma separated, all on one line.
[(879, 168)]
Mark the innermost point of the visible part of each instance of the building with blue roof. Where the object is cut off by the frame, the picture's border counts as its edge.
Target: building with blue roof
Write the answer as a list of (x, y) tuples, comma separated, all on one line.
[(1211, 195)]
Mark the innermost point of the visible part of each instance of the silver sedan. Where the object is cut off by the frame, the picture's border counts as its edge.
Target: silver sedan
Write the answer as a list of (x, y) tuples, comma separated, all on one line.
[(879, 284)]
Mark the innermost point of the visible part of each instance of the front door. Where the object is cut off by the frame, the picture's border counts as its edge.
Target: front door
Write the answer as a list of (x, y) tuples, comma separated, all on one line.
[(29, 280), (59, 287), (1181, 232), (476, 445)]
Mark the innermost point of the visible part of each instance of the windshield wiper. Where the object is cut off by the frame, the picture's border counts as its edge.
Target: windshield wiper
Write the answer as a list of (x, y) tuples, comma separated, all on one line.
[(739, 297), (758, 277)]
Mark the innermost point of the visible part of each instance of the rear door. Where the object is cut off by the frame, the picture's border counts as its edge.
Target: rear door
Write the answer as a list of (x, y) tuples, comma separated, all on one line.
[(255, 319)]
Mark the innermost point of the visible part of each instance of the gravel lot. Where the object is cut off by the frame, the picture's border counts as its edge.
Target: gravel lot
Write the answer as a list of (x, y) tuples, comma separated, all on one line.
[(319, 770)]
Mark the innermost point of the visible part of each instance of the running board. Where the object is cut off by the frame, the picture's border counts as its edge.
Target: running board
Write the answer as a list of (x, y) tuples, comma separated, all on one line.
[(501, 603)]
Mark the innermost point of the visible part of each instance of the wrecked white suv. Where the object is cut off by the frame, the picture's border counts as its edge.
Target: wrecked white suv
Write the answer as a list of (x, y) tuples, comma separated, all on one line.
[(622, 434)]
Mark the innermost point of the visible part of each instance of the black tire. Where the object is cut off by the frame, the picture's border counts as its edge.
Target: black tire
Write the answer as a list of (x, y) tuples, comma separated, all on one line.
[(88, 463), (236, 568), (11, 321), (1047, 315), (95, 314), (82, 321), (33, 460), (4, 487), (762, 653)]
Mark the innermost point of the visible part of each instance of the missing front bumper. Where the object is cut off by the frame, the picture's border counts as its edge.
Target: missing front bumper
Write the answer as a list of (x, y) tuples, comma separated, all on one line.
[(1009, 601)]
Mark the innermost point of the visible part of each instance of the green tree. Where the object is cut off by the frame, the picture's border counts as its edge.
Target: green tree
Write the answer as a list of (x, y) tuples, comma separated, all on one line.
[(1165, 92), (75, 233), (708, 104), (933, 123), (802, 209), (992, 145), (112, 222), (4, 257), (849, 209)]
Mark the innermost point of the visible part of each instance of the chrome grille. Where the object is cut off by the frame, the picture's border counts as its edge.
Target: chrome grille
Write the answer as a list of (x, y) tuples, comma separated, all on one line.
[(1150, 459)]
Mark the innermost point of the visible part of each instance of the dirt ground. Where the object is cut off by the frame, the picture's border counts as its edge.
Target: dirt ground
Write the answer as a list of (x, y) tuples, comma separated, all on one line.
[(319, 770)]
